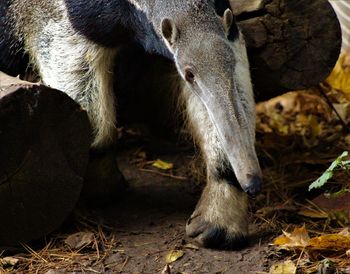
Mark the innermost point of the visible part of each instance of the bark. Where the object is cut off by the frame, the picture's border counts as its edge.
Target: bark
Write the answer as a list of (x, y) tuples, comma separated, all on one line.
[(292, 44), (44, 150)]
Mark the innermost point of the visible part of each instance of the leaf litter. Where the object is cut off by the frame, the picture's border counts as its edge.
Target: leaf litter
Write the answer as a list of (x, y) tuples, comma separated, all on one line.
[(305, 146)]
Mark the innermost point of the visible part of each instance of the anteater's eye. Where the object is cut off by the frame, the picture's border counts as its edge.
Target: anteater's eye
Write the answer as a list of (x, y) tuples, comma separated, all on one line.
[(189, 75)]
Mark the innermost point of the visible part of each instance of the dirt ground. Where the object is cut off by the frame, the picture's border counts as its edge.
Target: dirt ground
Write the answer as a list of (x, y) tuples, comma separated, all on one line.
[(136, 232), (150, 221)]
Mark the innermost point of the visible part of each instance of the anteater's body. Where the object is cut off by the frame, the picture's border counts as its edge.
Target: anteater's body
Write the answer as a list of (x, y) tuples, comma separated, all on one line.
[(73, 45)]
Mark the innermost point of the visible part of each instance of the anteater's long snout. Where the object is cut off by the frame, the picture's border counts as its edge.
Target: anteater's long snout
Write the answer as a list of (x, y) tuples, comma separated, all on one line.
[(238, 144), (253, 185), (235, 126), (228, 98)]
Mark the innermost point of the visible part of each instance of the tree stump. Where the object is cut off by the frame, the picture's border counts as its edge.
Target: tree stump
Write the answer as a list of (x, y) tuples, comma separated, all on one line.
[(44, 150), (292, 44)]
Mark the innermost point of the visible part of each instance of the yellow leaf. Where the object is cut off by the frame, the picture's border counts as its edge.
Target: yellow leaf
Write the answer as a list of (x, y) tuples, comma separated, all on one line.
[(287, 267), (298, 238), (330, 242), (173, 256), (162, 165), (339, 79), (281, 240)]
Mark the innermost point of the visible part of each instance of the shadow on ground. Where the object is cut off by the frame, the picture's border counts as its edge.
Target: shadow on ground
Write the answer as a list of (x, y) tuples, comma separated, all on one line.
[(148, 222)]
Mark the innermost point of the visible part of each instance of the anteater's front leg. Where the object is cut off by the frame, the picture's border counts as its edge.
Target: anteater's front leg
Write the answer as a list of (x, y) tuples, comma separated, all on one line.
[(220, 218), (68, 61)]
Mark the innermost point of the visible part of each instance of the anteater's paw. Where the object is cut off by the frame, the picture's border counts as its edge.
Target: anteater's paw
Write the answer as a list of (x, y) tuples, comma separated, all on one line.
[(213, 236), (220, 219)]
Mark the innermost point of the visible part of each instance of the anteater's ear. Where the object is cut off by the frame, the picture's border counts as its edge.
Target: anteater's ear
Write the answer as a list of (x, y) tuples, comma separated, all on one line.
[(169, 30), (228, 20)]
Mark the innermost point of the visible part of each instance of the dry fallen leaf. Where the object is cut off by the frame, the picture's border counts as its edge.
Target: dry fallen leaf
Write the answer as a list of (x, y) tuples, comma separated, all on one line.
[(162, 165), (339, 79), (330, 242), (287, 267), (79, 240), (336, 203), (8, 261), (313, 213), (298, 238), (173, 256), (324, 207), (302, 113)]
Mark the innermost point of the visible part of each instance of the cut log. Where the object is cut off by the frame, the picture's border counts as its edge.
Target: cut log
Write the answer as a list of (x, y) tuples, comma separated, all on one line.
[(44, 150), (292, 44)]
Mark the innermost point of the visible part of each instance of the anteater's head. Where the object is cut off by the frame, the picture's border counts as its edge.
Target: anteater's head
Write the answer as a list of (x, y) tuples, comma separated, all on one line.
[(210, 55)]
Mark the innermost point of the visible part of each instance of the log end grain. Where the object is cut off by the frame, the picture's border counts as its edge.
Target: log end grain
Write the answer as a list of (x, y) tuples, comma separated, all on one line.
[(44, 150), (292, 44)]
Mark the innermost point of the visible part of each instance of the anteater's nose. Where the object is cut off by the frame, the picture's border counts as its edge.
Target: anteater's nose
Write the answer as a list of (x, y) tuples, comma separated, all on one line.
[(254, 185)]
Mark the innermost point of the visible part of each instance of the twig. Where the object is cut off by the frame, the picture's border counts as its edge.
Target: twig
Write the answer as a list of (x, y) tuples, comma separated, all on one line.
[(124, 264), (34, 253), (330, 104), (301, 254), (164, 174)]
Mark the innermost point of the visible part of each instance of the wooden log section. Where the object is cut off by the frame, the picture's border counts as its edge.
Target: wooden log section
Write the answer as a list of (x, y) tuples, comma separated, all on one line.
[(44, 150), (292, 44)]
